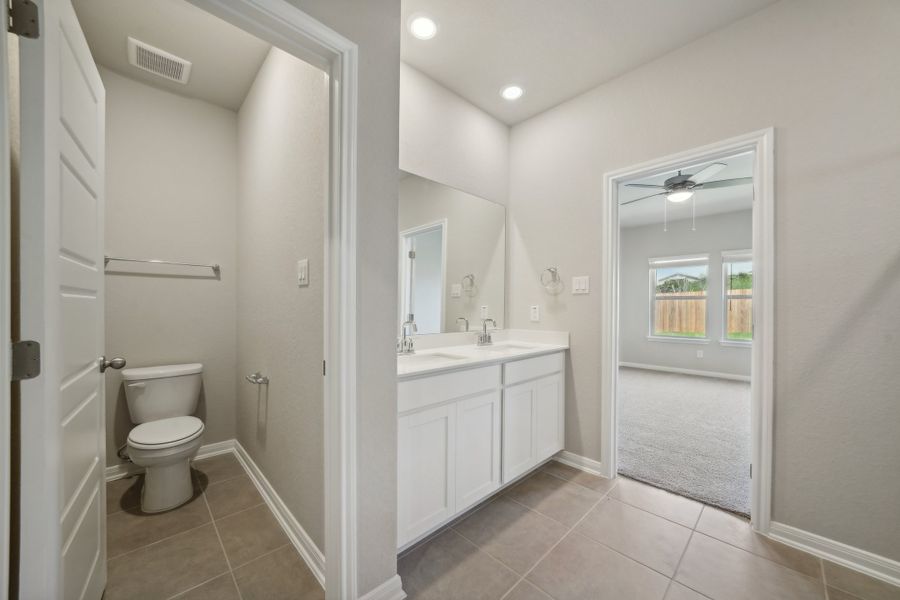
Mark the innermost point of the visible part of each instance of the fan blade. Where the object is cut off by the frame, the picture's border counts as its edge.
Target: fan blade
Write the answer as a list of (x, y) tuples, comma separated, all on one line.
[(644, 198), (710, 185), (707, 172), (645, 185)]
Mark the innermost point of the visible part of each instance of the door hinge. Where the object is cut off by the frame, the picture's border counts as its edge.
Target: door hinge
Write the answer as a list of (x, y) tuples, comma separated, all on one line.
[(412, 253), (26, 360), (23, 19), (323, 368), (751, 470)]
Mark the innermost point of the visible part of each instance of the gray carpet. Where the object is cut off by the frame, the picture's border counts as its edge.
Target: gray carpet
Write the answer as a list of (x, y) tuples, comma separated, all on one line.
[(686, 434)]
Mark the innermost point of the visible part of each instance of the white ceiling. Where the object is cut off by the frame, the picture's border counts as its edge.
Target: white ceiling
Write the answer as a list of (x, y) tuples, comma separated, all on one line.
[(709, 202), (225, 59), (555, 50)]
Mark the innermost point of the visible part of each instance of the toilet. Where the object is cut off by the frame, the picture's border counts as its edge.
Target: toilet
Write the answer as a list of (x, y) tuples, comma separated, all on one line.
[(161, 402)]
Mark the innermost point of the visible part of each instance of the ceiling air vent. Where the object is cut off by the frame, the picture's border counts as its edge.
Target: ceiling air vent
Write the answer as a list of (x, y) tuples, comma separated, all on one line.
[(159, 62)]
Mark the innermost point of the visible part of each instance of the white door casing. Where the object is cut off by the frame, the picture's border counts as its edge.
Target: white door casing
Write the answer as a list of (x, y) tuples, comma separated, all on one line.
[(63, 541)]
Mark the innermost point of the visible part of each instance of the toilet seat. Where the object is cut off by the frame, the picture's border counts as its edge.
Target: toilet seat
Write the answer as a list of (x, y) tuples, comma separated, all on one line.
[(165, 433)]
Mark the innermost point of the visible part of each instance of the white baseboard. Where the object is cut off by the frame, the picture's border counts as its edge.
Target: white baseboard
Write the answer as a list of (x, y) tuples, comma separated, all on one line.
[(389, 590), (865, 562), (308, 550), (121, 470), (714, 374), (588, 465)]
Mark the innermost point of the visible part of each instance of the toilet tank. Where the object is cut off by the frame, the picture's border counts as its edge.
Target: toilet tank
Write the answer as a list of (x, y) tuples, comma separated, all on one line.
[(155, 393)]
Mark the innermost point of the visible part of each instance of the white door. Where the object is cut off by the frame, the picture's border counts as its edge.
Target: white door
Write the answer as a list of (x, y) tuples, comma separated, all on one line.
[(549, 426), (426, 447), (477, 448), (518, 430), (63, 545)]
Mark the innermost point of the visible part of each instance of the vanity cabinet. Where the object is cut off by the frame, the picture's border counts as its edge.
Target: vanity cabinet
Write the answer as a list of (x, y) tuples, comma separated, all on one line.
[(448, 451), (533, 413), (464, 434)]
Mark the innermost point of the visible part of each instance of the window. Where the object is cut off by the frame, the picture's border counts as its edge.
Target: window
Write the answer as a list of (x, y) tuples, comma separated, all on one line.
[(678, 293), (737, 278)]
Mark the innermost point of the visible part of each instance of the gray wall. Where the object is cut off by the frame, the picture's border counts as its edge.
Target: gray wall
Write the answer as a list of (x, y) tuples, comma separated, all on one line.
[(282, 192), (446, 139), (824, 74), (476, 244), (375, 26), (171, 193), (730, 231)]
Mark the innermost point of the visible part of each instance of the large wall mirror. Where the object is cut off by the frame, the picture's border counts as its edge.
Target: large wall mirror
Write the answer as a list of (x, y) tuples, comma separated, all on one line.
[(452, 257)]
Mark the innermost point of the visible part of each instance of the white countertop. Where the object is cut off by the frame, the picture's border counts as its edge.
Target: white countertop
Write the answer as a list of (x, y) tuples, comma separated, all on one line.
[(450, 358)]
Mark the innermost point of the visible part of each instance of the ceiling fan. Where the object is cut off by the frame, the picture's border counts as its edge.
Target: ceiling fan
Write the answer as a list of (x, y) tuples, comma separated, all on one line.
[(681, 187)]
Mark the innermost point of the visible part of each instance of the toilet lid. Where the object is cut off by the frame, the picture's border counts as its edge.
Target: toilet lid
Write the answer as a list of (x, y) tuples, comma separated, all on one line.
[(165, 432)]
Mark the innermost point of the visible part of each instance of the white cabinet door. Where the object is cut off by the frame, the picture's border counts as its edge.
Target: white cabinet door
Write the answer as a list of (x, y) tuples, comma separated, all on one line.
[(549, 421), (477, 448), (518, 430), (426, 475)]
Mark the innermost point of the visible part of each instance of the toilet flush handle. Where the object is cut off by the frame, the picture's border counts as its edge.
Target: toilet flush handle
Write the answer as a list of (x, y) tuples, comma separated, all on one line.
[(116, 363)]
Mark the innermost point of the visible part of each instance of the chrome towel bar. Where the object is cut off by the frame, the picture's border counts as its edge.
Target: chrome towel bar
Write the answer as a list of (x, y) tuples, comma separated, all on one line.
[(107, 259)]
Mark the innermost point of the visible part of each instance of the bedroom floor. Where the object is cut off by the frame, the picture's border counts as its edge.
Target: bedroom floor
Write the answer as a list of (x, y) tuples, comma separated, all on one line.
[(686, 434)]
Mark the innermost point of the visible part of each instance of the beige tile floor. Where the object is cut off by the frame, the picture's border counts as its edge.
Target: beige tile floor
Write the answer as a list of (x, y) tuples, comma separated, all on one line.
[(224, 544), (562, 534)]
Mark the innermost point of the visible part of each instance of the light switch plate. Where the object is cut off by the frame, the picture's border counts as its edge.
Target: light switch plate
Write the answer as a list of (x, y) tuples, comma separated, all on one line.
[(303, 272), (535, 313), (484, 312), (581, 284), (455, 290)]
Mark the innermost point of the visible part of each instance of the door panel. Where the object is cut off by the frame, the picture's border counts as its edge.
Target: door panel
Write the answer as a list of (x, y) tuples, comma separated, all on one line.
[(518, 430), (549, 417), (477, 448), (63, 428), (426, 453)]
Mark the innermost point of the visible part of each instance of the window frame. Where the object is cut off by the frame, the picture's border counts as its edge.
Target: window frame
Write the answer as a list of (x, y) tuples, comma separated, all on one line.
[(687, 260), (728, 257)]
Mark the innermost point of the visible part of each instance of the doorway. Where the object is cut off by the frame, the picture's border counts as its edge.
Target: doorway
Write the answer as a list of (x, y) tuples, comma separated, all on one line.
[(663, 422), (64, 294), (423, 269)]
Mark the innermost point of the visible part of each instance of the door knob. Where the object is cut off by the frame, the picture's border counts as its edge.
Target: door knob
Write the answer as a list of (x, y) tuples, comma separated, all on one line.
[(116, 363)]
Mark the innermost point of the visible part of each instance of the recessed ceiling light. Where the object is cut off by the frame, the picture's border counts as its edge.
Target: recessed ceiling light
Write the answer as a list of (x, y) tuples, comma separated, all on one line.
[(512, 92), (422, 27)]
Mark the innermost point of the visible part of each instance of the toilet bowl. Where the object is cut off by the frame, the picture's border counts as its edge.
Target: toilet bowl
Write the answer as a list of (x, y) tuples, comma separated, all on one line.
[(165, 449), (161, 401)]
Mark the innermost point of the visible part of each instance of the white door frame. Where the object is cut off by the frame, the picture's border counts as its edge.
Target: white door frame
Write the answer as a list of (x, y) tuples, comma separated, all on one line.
[(289, 28), (5, 323), (763, 144), (406, 282)]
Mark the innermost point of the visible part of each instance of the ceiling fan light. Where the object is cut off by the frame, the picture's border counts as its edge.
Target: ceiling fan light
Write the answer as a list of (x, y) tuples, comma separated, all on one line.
[(679, 196)]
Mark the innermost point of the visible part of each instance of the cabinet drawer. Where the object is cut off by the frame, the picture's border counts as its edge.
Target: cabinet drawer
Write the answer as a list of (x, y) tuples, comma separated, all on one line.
[(419, 393), (531, 368)]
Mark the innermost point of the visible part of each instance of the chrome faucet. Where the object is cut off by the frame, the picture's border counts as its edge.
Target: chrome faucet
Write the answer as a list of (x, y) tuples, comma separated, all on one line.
[(458, 319), (484, 338), (405, 342)]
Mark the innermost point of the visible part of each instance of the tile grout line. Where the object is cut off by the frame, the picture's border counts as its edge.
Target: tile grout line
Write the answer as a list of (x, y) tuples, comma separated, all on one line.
[(281, 547), (201, 584), (824, 582), (553, 547), (168, 537), (222, 546), (681, 558)]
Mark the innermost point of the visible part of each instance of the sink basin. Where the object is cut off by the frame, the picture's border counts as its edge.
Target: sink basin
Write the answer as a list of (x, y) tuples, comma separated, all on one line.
[(416, 359), (514, 346), (504, 348)]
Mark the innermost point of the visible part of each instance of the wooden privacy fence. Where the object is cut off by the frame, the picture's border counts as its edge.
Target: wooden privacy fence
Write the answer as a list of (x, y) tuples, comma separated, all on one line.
[(685, 316)]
